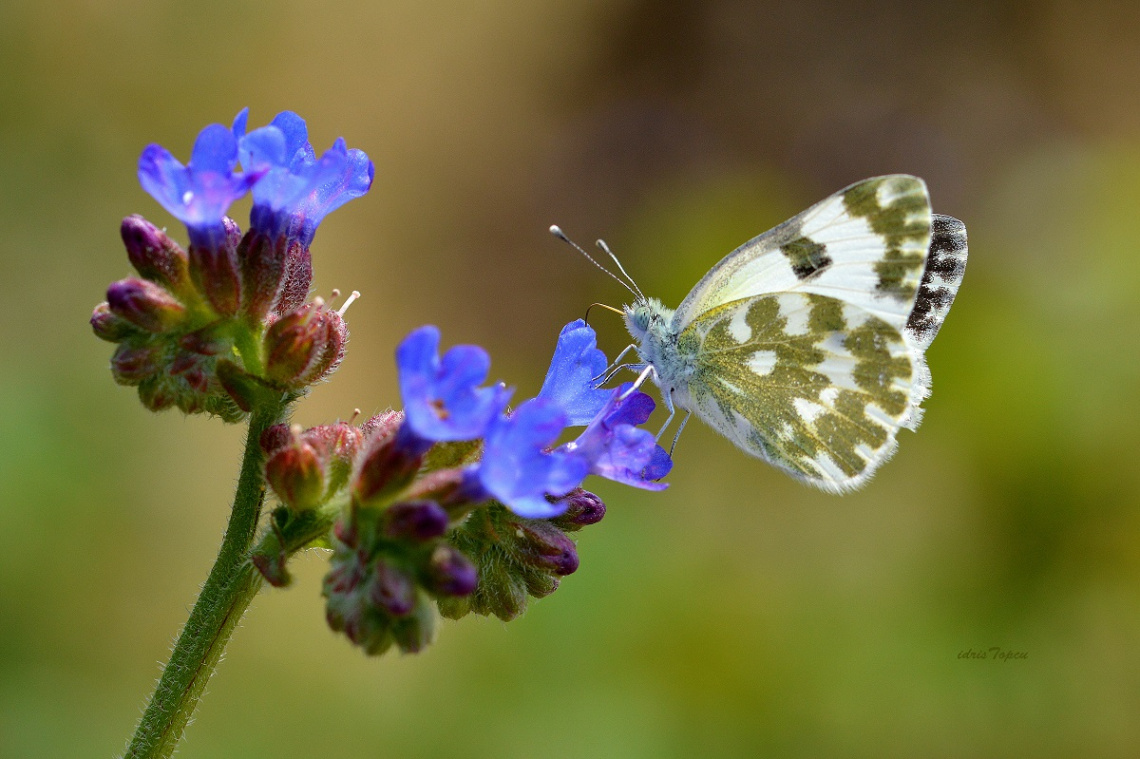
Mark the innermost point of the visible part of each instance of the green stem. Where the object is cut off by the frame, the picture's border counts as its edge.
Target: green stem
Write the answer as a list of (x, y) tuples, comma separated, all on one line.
[(228, 591)]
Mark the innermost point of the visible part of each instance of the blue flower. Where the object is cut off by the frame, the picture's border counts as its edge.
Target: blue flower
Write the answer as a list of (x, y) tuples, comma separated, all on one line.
[(613, 447), (572, 380), (518, 471), (298, 189), (441, 399), (199, 193)]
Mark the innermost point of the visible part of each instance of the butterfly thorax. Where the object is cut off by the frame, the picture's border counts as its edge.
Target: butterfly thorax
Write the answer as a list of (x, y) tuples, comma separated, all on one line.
[(651, 324)]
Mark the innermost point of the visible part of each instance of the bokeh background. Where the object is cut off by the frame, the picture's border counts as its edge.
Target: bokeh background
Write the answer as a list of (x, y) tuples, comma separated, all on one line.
[(737, 614)]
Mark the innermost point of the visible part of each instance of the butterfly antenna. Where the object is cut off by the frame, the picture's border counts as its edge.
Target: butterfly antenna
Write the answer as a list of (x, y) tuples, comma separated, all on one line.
[(602, 244), (557, 232)]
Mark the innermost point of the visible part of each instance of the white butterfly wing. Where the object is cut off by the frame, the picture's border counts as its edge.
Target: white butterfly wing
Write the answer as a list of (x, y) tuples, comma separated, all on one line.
[(805, 345), (865, 245)]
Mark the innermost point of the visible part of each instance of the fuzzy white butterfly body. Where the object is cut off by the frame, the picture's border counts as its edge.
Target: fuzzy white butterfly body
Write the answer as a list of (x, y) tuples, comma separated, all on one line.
[(805, 346)]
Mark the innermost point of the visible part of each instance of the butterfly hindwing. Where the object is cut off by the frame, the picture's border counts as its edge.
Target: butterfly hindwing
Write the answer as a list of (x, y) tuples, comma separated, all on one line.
[(945, 265), (813, 384), (865, 245)]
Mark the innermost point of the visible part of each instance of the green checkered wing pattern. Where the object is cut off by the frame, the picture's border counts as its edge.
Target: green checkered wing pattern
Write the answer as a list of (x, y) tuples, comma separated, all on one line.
[(812, 384)]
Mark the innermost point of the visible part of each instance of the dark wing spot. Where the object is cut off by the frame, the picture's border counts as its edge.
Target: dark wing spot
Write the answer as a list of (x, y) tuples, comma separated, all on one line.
[(807, 257), (946, 260)]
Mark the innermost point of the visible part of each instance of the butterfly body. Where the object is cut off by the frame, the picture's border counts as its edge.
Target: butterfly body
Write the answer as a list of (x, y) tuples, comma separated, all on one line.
[(805, 346)]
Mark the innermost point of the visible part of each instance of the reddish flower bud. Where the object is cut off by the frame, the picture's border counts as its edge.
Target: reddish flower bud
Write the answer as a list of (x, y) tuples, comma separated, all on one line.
[(207, 341), (245, 389), (383, 424), (582, 508), (157, 394), (109, 327), (131, 365), (275, 438), (295, 343), (296, 473), (296, 281), (415, 520), (541, 545), (145, 304), (416, 631), (384, 468), (262, 262), (450, 572), (392, 589), (214, 270), (154, 255), (327, 361)]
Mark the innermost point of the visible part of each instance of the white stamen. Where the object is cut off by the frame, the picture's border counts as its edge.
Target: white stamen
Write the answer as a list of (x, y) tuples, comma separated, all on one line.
[(352, 296)]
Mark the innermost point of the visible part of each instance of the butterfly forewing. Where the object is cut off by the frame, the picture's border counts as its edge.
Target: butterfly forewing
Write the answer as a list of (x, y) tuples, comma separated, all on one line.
[(815, 385), (865, 245)]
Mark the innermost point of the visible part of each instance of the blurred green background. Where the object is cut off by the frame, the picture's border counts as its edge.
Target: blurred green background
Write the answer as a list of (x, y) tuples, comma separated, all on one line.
[(737, 614)]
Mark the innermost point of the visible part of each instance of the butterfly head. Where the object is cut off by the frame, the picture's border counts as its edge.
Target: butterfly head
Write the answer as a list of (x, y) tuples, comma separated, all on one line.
[(646, 315)]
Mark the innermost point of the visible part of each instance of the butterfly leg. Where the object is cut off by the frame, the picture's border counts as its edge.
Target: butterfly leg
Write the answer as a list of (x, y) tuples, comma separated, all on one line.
[(667, 398), (678, 435), (641, 381), (614, 367)]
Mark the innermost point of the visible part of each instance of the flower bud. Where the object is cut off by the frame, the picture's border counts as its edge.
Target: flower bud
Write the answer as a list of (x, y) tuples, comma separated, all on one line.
[(383, 424), (262, 262), (417, 630), (131, 365), (246, 390), (541, 545), (384, 467), (207, 341), (500, 593), (540, 584), (275, 438), (392, 589), (330, 356), (338, 443), (297, 279), (296, 474), (145, 304), (109, 327), (214, 270), (450, 573), (417, 521), (154, 255), (295, 342), (189, 367), (582, 508), (157, 394)]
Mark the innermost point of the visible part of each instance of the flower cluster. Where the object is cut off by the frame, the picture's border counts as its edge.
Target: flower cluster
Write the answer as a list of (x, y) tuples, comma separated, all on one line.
[(456, 504), (209, 328)]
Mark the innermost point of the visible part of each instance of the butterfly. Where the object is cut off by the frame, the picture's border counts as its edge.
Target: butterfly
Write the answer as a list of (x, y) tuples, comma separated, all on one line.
[(806, 345)]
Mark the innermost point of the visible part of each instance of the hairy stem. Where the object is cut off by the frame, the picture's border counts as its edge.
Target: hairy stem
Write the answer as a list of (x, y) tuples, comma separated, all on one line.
[(226, 595)]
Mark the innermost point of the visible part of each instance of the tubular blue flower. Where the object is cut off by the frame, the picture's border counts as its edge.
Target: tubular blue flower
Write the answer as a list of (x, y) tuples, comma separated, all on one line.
[(613, 447), (199, 193), (518, 471), (298, 189), (441, 399), (575, 369)]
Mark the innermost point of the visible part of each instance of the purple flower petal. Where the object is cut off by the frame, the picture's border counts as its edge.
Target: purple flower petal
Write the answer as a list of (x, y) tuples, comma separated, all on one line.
[(298, 189), (518, 471), (572, 378), (614, 448), (441, 399), (199, 193)]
